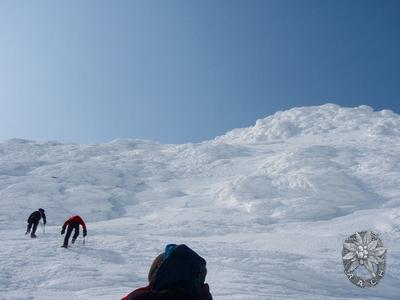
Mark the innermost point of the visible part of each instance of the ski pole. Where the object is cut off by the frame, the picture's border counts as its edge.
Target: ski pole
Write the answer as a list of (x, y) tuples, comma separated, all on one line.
[(84, 238)]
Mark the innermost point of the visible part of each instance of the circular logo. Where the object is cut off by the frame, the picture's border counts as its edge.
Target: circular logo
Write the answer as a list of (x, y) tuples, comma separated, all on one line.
[(364, 250)]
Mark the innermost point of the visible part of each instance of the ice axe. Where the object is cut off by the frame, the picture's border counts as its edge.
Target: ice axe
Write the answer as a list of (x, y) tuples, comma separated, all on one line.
[(43, 227)]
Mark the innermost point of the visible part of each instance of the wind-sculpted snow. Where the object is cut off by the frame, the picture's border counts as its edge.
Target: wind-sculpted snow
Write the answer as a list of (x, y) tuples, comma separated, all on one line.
[(324, 119), (307, 183), (268, 206)]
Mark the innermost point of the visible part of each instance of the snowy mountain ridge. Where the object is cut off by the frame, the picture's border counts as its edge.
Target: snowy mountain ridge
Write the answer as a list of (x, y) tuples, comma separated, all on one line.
[(324, 119), (268, 206)]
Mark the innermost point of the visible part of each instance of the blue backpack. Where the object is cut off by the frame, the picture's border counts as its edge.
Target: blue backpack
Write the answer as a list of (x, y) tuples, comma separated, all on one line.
[(182, 269)]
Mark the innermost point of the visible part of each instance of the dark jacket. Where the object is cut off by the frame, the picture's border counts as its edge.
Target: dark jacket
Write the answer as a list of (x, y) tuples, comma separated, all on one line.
[(170, 294), (36, 216)]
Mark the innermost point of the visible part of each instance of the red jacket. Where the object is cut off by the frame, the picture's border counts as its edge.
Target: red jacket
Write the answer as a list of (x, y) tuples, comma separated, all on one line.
[(75, 219), (139, 290)]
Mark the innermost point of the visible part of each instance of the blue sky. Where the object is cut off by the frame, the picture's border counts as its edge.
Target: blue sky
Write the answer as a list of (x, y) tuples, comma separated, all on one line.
[(187, 71)]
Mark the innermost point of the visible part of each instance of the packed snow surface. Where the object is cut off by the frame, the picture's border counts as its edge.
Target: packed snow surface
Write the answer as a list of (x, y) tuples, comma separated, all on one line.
[(268, 206)]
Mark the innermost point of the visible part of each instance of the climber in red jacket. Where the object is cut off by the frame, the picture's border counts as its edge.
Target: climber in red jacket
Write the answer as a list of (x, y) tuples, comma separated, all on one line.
[(73, 223)]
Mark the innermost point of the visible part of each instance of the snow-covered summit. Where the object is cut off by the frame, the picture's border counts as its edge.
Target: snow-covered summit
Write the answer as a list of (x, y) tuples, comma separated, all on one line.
[(268, 206), (316, 120)]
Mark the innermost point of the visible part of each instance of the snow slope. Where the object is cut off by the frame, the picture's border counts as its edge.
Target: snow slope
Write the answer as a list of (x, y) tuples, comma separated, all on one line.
[(268, 206)]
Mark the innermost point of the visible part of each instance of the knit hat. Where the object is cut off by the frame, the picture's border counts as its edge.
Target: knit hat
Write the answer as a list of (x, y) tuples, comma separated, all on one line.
[(180, 268)]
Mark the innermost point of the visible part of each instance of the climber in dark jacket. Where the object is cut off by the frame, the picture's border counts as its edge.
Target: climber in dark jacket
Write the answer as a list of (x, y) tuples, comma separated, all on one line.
[(177, 274), (33, 220), (73, 224)]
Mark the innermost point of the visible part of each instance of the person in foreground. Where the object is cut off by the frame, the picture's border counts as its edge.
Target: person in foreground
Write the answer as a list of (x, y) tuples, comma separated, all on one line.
[(33, 220), (73, 224), (177, 274)]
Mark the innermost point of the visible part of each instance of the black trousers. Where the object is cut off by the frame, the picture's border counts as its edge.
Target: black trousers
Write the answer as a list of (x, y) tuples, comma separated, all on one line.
[(71, 226), (28, 228)]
